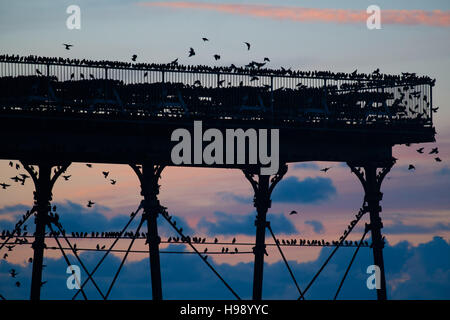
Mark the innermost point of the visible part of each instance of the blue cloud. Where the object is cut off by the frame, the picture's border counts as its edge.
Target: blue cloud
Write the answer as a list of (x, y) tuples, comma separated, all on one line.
[(229, 196), (444, 171), (412, 272), (306, 165), (17, 208), (309, 190), (231, 224), (317, 225), (399, 228)]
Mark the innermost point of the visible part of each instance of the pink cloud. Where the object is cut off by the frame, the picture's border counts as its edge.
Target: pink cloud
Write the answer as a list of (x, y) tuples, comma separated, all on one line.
[(403, 17)]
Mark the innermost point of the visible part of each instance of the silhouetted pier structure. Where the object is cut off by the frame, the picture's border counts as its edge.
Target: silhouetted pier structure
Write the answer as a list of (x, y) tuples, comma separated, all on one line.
[(54, 111)]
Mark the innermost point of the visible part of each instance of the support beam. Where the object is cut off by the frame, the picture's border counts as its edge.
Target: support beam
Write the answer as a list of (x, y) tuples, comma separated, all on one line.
[(148, 177), (262, 191), (371, 182), (43, 183)]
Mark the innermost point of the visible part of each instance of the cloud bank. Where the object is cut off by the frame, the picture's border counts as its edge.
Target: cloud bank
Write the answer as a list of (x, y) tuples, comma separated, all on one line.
[(435, 18)]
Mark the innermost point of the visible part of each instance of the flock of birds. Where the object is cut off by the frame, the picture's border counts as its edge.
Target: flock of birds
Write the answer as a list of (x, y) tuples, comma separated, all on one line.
[(21, 177), (253, 67)]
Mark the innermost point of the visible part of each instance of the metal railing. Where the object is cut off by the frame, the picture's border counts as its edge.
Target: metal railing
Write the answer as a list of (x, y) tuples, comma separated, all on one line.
[(225, 93)]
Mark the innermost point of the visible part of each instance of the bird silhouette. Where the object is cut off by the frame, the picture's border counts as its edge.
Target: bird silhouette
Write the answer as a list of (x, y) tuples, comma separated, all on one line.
[(90, 203), (434, 151), (411, 167), (67, 46), (88, 165), (134, 57), (205, 39), (13, 273), (174, 61), (105, 174), (420, 150), (266, 59), (248, 45), (113, 181), (18, 284), (438, 159), (11, 163), (191, 52), (15, 179), (4, 185), (66, 178), (292, 212), (17, 166), (38, 72), (325, 169), (234, 240), (217, 57)]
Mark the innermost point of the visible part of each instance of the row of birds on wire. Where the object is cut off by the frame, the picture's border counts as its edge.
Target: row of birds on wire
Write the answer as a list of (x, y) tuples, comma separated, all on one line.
[(433, 151), (21, 238), (253, 67)]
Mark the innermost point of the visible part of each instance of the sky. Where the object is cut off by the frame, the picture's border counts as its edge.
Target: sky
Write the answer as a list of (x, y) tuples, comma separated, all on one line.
[(304, 35)]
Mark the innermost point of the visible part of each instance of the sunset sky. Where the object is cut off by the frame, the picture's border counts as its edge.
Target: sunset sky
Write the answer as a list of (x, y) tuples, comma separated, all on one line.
[(304, 35)]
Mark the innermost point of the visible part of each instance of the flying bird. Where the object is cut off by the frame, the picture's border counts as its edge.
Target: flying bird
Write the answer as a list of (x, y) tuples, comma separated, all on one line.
[(13, 273), (88, 165), (411, 167), (105, 173), (134, 57), (438, 159), (90, 203), (420, 150), (174, 61), (66, 178), (266, 59), (11, 163), (248, 45), (205, 39), (293, 212), (113, 181), (4, 185), (325, 169), (191, 52), (217, 57), (67, 46), (434, 151)]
